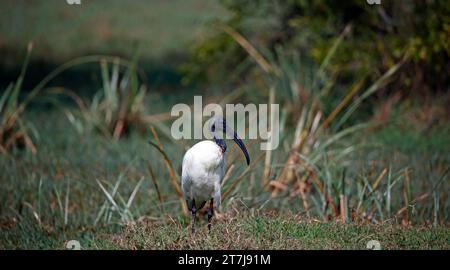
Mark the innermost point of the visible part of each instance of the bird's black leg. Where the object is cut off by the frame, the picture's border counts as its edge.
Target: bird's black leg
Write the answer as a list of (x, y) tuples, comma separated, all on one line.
[(193, 211), (210, 213)]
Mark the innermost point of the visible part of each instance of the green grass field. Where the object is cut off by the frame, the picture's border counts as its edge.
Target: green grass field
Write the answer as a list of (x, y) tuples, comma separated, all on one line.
[(52, 197), (80, 167), (243, 230)]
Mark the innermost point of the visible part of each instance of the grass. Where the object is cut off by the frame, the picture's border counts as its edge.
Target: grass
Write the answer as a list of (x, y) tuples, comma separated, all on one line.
[(116, 107), (322, 155), (61, 31), (330, 185), (122, 193), (14, 130), (54, 196), (237, 230)]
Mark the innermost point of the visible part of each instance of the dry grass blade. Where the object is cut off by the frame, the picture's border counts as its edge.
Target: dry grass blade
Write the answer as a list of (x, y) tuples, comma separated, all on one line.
[(343, 199), (407, 198), (278, 185), (158, 117), (322, 189), (71, 94), (173, 178), (371, 90), (13, 128), (35, 214), (241, 176), (302, 192), (333, 49), (355, 89), (160, 147), (266, 171), (155, 184), (227, 174), (377, 182), (406, 207), (343, 208), (262, 62), (382, 174), (287, 173), (231, 157), (66, 204)]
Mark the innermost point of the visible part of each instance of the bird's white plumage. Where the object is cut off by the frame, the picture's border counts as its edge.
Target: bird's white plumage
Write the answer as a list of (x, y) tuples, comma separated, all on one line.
[(202, 173)]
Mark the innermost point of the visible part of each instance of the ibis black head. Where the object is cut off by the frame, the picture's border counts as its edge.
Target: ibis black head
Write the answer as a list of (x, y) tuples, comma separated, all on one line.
[(218, 128)]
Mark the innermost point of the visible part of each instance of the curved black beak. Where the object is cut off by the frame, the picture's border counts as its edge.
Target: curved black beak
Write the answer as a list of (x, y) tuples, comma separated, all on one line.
[(221, 123), (241, 145)]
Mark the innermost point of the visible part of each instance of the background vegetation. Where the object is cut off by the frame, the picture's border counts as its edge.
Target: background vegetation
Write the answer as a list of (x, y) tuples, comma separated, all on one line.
[(363, 91)]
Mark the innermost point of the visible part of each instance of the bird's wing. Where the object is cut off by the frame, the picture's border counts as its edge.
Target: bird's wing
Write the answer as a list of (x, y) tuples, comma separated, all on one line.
[(185, 180), (185, 186)]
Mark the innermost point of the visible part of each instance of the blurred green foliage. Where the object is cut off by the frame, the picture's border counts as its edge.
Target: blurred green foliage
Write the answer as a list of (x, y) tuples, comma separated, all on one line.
[(380, 36)]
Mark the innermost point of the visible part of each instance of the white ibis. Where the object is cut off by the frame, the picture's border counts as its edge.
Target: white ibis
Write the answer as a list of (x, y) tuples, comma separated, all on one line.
[(203, 169)]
